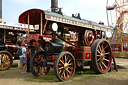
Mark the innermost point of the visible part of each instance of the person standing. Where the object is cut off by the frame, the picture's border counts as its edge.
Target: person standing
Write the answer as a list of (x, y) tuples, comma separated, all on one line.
[(23, 59), (28, 60)]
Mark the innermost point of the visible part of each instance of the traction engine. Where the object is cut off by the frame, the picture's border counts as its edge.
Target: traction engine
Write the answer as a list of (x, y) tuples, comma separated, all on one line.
[(67, 42)]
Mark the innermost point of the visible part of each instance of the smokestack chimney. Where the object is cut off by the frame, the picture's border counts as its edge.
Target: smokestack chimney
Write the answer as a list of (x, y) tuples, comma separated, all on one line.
[(54, 5)]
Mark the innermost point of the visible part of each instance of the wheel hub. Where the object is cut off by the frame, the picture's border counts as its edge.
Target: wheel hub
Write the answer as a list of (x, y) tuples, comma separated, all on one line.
[(66, 66), (102, 56)]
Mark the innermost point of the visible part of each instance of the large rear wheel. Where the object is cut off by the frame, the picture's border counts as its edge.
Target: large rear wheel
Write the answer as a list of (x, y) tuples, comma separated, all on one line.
[(38, 64), (101, 56), (64, 67), (6, 60)]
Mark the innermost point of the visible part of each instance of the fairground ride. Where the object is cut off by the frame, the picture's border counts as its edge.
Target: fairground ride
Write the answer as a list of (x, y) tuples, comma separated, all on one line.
[(117, 17)]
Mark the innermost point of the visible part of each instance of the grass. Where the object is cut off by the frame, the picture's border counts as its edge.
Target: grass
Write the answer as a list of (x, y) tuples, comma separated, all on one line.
[(78, 76), (121, 57), (50, 77)]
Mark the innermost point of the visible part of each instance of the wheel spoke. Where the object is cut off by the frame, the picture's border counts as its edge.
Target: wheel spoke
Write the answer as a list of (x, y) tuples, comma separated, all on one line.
[(98, 59), (103, 64), (104, 48), (69, 67), (62, 62), (4, 56), (62, 59), (60, 71), (65, 58), (100, 66), (68, 71), (102, 45), (63, 73), (98, 55), (99, 48), (4, 64), (105, 56), (61, 68), (98, 51), (70, 64), (69, 61), (107, 53), (106, 60)]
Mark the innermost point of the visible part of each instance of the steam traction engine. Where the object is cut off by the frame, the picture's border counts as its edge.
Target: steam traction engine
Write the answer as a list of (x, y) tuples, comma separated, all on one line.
[(67, 43)]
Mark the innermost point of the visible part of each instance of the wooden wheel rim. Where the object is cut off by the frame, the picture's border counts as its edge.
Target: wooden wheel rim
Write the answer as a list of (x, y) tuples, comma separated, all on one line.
[(6, 60), (66, 67), (103, 56)]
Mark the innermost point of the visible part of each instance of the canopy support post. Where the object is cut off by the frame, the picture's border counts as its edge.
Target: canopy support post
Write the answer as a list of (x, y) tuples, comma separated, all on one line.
[(41, 30), (4, 35), (28, 24)]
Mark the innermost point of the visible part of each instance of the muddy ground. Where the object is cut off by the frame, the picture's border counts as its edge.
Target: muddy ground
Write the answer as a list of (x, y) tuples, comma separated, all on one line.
[(88, 77)]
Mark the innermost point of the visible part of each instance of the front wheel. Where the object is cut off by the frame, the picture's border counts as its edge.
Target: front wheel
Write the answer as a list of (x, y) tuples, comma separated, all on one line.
[(101, 56), (6, 60), (64, 67), (38, 64)]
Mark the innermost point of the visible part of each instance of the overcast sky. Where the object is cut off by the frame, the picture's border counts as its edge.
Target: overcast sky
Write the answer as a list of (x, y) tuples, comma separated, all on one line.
[(94, 10)]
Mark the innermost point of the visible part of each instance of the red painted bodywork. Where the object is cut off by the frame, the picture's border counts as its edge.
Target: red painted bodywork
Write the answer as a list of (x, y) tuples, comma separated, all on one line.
[(34, 17), (35, 37), (51, 58), (84, 54)]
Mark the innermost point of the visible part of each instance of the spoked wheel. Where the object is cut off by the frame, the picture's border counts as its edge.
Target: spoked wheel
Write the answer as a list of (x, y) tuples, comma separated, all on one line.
[(38, 64), (6, 60), (64, 67), (101, 56)]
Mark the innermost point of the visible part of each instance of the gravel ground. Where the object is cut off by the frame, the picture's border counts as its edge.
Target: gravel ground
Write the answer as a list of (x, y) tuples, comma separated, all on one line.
[(88, 77)]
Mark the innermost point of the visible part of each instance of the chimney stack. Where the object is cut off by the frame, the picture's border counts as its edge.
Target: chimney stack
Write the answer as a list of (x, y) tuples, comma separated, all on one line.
[(54, 5)]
